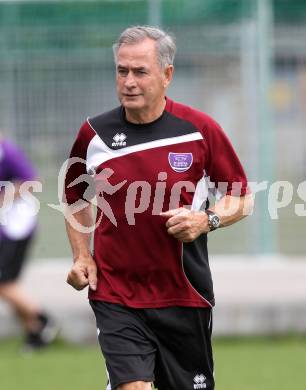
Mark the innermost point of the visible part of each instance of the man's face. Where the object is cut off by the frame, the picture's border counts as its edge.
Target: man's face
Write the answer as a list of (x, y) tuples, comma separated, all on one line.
[(141, 83)]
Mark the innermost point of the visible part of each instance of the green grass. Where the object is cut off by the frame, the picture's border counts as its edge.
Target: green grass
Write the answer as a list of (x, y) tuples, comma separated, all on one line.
[(241, 364), (61, 367), (260, 364)]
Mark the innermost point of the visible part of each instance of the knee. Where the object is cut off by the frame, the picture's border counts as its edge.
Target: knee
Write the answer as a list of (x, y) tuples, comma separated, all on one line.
[(138, 385), (3, 288), (7, 290)]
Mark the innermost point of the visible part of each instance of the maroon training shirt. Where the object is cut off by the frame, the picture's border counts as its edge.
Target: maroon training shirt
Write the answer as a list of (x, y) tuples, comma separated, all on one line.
[(140, 170)]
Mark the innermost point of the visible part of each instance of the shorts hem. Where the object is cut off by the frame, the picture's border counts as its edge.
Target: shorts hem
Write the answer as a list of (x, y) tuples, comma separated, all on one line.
[(129, 380)]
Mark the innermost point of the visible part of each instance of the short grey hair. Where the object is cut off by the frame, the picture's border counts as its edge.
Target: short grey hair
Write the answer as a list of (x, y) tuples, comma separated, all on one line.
[(165, 44)]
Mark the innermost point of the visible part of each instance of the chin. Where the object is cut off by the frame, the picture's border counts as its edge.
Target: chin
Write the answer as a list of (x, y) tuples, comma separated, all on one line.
[(132, 105)]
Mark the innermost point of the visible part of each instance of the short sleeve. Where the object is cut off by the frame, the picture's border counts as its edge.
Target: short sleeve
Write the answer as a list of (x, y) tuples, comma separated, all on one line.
[(223, 166)]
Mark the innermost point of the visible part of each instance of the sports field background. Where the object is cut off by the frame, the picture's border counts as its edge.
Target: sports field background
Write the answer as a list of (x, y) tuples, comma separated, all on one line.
[(242, 61), (241, 364)]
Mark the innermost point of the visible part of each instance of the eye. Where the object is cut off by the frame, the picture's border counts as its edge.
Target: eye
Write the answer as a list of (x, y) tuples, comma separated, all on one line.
[(122, 72), (140, 72)]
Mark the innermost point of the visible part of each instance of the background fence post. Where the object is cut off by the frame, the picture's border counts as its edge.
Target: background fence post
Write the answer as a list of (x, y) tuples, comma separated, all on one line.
[(267, 237)]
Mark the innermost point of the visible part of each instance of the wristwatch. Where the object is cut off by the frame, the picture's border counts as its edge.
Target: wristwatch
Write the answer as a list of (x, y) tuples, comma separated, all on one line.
[(213, 220)]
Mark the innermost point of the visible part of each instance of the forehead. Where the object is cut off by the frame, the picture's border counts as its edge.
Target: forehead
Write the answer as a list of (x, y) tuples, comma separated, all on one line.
[(136, 54)]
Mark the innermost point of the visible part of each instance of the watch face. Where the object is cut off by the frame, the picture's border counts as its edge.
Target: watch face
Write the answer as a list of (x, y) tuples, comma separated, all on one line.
[(215, 221)]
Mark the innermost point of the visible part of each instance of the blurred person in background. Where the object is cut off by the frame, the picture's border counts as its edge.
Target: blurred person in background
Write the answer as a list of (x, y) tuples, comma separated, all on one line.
[(18, 223), (149, 279)]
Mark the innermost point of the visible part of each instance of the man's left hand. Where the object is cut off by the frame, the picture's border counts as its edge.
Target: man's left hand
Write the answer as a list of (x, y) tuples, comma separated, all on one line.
[(186, 225)]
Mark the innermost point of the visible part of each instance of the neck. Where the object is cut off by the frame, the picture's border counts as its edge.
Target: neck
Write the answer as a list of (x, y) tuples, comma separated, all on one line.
[(145, 116)]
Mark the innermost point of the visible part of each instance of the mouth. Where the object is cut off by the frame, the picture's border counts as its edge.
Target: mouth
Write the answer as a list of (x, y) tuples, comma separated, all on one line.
[(130, 95)]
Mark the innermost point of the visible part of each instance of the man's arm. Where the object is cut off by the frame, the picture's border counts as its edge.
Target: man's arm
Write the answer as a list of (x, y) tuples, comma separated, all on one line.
[(186, 225), (84, 269), (232, 209)]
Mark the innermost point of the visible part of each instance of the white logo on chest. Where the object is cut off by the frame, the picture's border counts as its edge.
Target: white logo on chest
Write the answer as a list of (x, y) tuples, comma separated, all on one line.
[(119, 139)]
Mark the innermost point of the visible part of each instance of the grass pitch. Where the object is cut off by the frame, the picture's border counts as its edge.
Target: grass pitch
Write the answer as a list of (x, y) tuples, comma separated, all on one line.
[(241, 364)]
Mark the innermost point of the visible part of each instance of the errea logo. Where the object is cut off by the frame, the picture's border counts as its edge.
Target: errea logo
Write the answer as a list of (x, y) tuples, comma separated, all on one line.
[(199, 382), (119, 139)]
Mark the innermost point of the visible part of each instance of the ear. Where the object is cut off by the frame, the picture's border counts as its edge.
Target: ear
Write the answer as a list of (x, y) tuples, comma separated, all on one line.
[(168, 74)]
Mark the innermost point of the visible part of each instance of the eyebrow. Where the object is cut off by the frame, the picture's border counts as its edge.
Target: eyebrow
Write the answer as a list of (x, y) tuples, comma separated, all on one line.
[(119, 66)]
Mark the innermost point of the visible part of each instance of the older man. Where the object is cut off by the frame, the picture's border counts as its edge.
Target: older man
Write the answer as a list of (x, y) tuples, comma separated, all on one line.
[(152, 160)]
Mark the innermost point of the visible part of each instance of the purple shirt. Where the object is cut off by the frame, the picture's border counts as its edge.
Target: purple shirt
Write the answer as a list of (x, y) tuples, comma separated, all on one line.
[(14, 165)]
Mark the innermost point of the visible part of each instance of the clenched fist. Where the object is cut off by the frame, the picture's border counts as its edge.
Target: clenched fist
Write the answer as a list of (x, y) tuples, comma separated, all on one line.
[(83, 273)]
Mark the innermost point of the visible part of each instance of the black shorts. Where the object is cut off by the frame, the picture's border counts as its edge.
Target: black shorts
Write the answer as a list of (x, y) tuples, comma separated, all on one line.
[(168, 346), (12, 256)]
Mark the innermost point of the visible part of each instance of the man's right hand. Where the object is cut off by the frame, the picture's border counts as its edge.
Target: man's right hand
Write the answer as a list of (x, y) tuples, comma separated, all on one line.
[(83, 273)]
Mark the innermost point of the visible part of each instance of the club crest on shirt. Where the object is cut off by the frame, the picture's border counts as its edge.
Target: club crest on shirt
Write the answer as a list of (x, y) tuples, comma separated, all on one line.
[(180, 162)]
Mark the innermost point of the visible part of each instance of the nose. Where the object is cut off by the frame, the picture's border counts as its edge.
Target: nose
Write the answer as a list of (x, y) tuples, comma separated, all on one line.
[(130, 81)]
